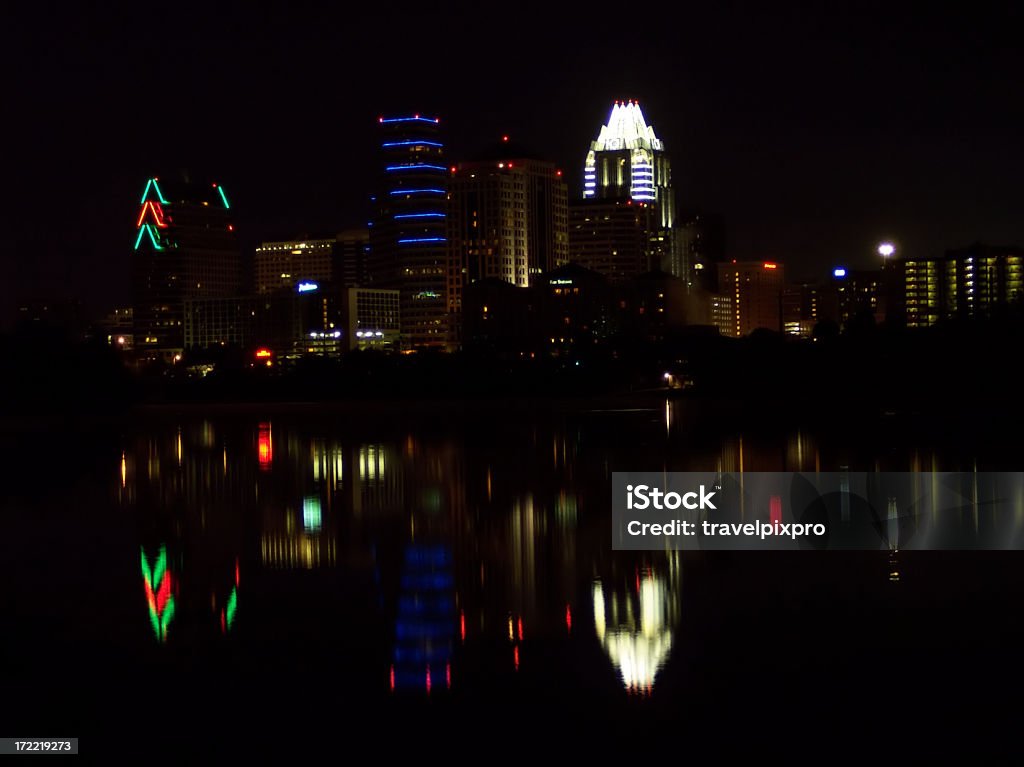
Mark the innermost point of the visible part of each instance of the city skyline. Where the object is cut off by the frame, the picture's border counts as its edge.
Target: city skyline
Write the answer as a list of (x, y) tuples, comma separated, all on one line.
[(814, 140)]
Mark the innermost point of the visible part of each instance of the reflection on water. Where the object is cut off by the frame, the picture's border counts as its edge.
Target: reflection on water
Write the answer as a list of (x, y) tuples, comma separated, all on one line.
[(634, 622), (425, 625), (159, 583), (464, 551)]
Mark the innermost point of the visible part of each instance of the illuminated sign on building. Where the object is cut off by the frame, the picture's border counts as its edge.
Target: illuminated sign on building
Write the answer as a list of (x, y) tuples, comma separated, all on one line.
[(307, 287)]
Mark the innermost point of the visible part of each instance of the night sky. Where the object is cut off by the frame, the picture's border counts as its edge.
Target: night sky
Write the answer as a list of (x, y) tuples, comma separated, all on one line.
[(815, 133)]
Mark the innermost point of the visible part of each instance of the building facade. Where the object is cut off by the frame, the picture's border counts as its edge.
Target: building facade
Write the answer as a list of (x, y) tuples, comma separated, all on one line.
[(612, 237), (698, 247), (372, 319), (966, 283), (351, 250), (978, 279), (799, 310), (756, 291), (284, 264)]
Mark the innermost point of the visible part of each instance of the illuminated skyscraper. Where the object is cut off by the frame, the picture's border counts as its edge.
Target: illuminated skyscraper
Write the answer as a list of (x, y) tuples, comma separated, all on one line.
[(509, 220), (408, 239), (185, 248), (627, 160), (626, 166)]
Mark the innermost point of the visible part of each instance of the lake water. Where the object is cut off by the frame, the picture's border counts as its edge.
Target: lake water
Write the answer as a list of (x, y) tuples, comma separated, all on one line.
[(295, 576)]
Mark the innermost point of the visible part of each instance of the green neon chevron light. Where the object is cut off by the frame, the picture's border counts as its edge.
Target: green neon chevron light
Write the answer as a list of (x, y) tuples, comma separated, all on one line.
[(152, 237), (152, 184), (159, 194), (222, 196)]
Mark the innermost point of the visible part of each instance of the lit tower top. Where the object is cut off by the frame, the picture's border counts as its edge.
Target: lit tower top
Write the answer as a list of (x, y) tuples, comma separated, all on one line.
[(627, 160)]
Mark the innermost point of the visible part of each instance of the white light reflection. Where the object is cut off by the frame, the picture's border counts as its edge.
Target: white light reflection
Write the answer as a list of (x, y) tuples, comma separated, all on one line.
[(638, 641)]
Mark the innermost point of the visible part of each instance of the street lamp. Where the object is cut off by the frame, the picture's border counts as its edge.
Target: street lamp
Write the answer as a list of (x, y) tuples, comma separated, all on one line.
[(886, 249)]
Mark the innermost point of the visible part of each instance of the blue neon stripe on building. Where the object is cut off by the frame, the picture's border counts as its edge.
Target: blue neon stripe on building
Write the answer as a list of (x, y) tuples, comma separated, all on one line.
[(415, 167), (411, 240), (410, 119), (417, 191), (411, 143)]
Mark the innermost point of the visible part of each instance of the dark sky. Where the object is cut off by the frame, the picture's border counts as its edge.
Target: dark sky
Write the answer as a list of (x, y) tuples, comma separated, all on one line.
[(815, 133)]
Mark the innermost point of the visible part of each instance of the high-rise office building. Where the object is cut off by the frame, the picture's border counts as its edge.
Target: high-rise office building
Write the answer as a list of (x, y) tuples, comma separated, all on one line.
[(508, 219), (284, 264), (756, 291), (185, 248), (408, 239)]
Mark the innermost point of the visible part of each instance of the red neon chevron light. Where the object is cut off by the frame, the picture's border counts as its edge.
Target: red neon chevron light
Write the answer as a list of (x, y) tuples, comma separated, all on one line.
[(158, 214)]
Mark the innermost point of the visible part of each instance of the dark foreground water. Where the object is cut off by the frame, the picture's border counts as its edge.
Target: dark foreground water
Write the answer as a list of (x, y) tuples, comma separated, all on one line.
[(438, 582)]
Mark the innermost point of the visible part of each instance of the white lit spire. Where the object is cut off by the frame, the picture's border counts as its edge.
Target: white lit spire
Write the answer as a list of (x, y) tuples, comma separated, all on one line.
[(640, 168), (626, 129)]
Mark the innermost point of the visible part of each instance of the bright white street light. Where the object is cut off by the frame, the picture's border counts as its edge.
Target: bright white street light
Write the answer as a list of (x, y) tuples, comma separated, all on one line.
[(886, 249)]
